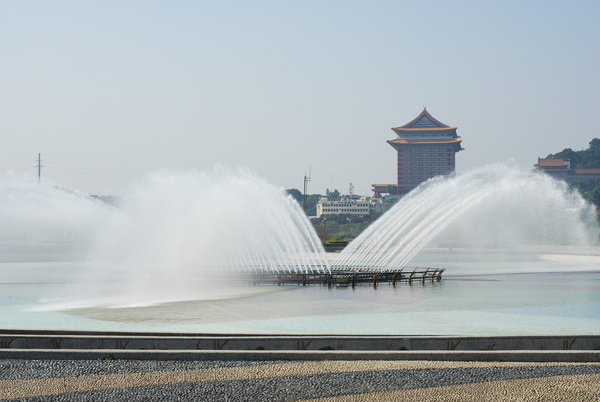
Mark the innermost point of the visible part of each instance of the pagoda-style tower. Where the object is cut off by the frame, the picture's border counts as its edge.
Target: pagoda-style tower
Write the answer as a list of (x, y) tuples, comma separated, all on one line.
[(426, 148)]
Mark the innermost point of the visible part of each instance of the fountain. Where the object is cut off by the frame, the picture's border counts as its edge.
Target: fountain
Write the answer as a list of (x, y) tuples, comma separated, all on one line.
[(177, 230), (210, 221), (173, 231), (45, 222), (147, 265), (498, 206)]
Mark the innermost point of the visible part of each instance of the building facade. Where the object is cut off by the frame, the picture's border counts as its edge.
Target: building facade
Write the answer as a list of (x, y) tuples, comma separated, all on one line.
[(425, 148), (380, 189), (361, 206), (561, 169)]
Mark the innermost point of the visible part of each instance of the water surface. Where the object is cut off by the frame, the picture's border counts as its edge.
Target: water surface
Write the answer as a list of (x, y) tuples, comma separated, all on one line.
[(556, 298)]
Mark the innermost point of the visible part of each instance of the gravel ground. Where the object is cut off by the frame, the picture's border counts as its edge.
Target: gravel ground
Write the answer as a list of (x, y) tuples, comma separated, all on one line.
[(365, 377), (26, 369)]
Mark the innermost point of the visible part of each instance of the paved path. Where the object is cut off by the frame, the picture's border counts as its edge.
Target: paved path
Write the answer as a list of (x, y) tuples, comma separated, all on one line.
[(101, 380)]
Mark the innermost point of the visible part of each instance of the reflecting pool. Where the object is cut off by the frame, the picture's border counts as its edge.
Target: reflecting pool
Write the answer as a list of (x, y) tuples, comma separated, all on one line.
[(478, 296)]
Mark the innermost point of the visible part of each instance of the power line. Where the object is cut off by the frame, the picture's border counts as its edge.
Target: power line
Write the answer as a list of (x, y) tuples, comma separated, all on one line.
[(71, 168), (9, 167), (117, 167), (88, 174), (85, 168), (20, 170), (15, 159), (20, 161)]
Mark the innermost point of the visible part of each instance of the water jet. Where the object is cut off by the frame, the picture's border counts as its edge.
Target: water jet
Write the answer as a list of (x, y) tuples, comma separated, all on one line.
[(144, 266), (497, 207)]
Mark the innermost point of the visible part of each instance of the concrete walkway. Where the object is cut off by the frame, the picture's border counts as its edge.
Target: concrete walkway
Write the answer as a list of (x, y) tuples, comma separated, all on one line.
[(365, 380)]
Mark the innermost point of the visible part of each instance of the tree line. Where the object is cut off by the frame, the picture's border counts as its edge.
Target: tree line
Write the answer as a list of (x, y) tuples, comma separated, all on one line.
[(335, 228), (585, 159), (313, 199)]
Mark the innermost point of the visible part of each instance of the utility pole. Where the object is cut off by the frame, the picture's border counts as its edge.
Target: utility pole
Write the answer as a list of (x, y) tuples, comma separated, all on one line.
[(306, 180), (39, 166)]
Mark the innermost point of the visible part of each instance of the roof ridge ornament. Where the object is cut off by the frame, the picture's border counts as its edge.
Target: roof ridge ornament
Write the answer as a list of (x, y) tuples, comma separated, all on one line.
[(423, 121)]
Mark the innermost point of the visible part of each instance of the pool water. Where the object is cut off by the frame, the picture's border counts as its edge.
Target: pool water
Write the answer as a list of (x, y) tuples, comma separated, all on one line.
[(473, 298)]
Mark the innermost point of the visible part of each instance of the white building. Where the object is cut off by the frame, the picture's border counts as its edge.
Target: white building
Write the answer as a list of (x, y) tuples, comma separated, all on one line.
[(361, 206)]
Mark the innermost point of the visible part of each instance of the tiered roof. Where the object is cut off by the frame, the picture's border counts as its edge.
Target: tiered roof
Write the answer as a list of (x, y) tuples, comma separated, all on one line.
[(423, 121), (426, 129), (561, 168)]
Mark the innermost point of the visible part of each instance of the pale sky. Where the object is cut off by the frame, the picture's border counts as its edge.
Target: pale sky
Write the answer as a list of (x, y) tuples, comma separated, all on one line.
[(108, 91)]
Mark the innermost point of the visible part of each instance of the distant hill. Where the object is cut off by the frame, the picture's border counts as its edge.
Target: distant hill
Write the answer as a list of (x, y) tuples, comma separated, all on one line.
[(586, 158)]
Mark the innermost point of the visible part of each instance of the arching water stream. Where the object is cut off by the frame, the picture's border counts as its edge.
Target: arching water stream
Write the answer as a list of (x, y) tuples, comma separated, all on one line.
[(497, 206), (68, 260)]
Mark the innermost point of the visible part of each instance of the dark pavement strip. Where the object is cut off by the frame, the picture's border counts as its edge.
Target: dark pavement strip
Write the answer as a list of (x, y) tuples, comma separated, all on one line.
[(293, 380), (562, 388)]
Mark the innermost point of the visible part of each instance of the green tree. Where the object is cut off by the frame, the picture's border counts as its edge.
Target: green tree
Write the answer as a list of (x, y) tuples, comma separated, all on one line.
[(333, 196), (567, 153), (586, 158), (311, 204), (595, 196), (590, 158), (296, 194), (585, 187), (337, 238), (391, 189), (347, 225)]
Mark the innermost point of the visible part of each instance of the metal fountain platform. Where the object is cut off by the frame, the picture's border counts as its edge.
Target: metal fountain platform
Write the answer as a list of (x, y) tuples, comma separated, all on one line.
[(349, 277)]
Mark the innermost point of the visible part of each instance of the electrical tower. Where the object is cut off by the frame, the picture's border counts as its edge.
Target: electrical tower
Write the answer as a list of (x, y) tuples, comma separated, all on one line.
[(304, 198), (39, 167)]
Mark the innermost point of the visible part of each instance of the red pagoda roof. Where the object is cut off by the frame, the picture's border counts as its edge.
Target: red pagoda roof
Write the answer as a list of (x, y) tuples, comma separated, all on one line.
[(424, 123), (554, 162), (425, 130)]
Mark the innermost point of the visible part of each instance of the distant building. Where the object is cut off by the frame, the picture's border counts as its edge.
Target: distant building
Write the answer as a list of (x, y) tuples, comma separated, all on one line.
[(380, 189), (561, 169), (426, 148), (361, 206)]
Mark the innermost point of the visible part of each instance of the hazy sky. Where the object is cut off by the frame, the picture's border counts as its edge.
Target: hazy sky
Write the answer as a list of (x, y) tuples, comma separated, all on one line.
[(107, 91)]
